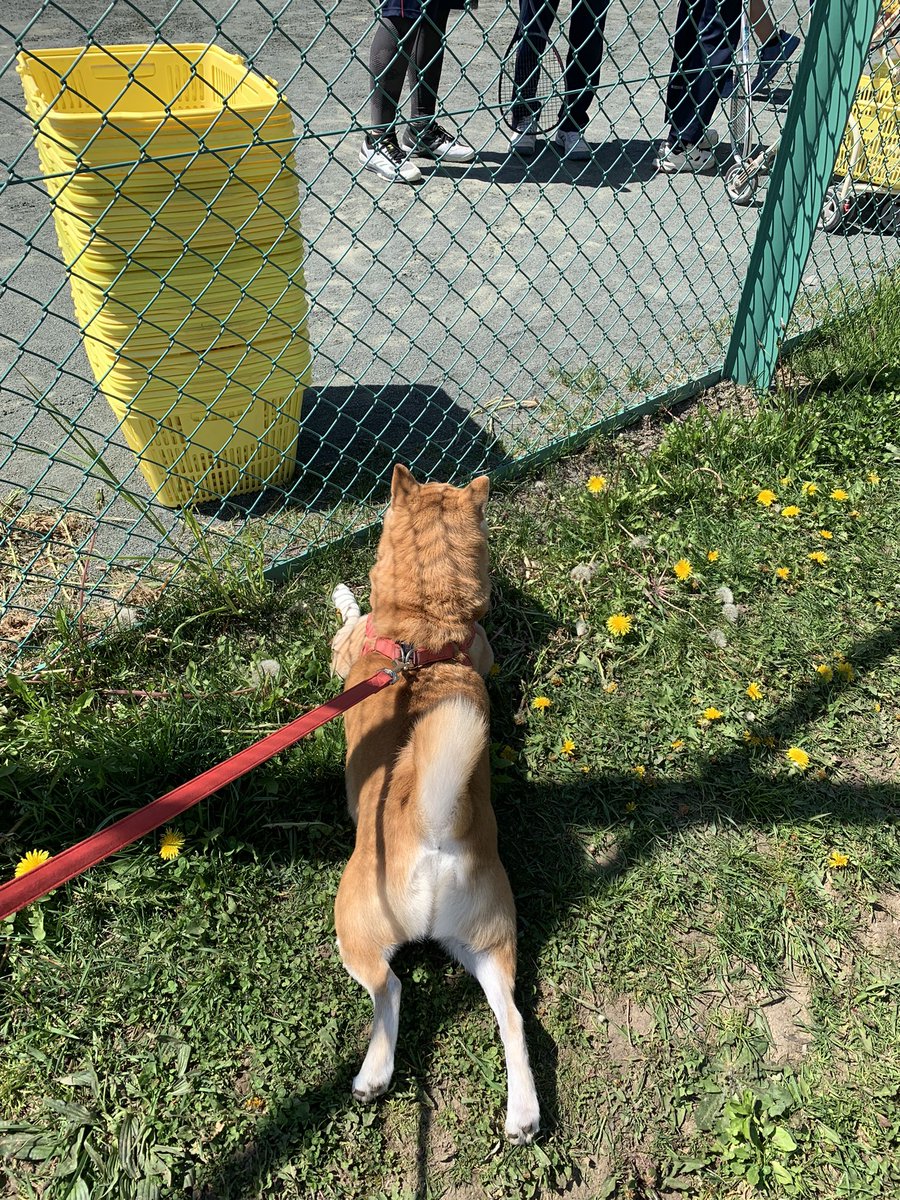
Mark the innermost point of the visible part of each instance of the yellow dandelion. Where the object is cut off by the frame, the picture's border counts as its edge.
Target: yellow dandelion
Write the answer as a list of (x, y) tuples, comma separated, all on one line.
[(712, 555), (825, 671), (754, 691), (873, 477), (541, 702), (819, 556), (826, 533), (785, 480), (170, 844), (876, 706), (798, 757), (854, 513), (254, 1103), (610, 687), (782, 572), (596, 484), (790, 511), (809, 489), (712, 714), (677, 744), (840, 495), (845, 670), (34, 858), (568, 746), (640, 771), (630, 806), (766, 498), (683, 568), (619, 624), (837, 860), (586, 770), (494, 671)]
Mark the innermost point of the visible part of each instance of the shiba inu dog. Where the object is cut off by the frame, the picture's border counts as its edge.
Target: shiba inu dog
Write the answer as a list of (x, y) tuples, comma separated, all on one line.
[(425, 863)]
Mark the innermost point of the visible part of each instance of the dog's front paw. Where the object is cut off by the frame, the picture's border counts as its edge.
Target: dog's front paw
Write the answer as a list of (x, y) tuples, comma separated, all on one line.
[(366, 1090), (345, 602), (523, 1121)]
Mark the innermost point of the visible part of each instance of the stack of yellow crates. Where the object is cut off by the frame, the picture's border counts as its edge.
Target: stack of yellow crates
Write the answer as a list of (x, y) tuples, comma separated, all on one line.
[(176, 208)]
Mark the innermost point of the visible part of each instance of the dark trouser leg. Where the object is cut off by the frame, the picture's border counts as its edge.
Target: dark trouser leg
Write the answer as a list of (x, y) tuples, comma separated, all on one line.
[(583, 63), (388, 63), (427, 60), (535, 21), (706, 38)]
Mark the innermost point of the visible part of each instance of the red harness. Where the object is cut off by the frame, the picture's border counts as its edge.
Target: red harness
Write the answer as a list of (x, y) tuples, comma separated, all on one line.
[(403, 655)]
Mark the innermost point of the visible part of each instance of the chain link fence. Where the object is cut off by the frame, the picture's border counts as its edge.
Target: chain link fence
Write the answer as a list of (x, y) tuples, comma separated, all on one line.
[(207, 301)]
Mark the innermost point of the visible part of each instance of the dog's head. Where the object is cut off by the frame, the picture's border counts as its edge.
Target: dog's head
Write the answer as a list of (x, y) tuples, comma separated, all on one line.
[(432, 558)]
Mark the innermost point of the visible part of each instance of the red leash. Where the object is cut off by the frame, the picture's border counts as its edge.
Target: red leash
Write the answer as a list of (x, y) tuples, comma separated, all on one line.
[(68, 863)]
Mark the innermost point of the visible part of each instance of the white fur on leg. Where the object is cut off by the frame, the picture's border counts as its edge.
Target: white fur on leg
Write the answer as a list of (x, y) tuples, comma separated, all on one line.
[(375, 1074), (345, 602), (523, 1113)]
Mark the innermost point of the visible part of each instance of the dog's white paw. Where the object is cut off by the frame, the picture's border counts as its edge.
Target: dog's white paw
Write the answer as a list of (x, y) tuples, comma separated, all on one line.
[(366, 1090), (345, 602), (523, 1121)]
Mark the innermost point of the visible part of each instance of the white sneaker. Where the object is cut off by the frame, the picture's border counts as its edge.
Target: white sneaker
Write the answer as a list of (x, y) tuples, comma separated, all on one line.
[(571, 144), (385, 158), (524, 140), (672, 160), (433, 141)]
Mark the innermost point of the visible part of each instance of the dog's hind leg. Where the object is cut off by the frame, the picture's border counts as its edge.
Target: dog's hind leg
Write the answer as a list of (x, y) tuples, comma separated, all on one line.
[(370, 968), (495, 971)]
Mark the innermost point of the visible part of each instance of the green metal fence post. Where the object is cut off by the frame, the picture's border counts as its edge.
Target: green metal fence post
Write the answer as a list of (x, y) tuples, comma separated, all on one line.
[(829, 71)]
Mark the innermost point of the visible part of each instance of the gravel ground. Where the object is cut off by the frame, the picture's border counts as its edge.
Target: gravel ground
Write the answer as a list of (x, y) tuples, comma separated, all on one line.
[(443, 316)]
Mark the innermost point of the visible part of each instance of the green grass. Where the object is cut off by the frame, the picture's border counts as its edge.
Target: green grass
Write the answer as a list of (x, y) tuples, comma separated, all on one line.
[(710, 1007)]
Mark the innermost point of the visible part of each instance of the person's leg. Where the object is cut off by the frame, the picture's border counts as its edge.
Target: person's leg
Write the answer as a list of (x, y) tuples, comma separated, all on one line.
[(583, 63), (388, 60), (760, 20), (706, 38), (424, 135), (535, 22)]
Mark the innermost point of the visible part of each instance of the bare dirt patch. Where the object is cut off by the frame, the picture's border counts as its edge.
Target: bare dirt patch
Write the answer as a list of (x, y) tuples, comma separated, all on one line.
[(789, 1019), (627, 1024), (881, 937)]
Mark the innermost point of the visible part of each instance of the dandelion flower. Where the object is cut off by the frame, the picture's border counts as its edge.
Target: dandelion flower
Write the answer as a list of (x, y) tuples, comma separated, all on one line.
[(619, 624), (825, 671), (782, 572), (683, 568), (596, 484), (610, 687), (630, 806), (712, 714), (809, 489), (640, 771), (494, 671), (845, 670), (677, 744), (819, 556), (837, 860), (754, 691), (766, 498), (34, 858), (254, 1103), (170, 844), (873, 477), (568, 746), (540, 702), (840, 495), (826, 533), (712, 555), (854, 513), (785, 480), (798, 757), (790, 510)]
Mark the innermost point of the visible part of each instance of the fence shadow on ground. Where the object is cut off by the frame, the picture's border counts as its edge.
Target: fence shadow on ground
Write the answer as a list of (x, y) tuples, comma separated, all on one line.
[(350, 438), (613, 164)]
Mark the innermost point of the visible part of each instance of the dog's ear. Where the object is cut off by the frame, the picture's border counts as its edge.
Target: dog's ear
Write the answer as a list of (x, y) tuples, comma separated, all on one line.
[(402, 484), (479, 489)]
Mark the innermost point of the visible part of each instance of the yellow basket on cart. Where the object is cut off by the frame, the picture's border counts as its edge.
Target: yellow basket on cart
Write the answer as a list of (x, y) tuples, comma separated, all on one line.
[(870, 151), (176, 206)]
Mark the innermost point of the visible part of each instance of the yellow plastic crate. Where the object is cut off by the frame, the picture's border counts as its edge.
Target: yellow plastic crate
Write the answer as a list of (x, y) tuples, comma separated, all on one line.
[(176, 209), (876, 115)]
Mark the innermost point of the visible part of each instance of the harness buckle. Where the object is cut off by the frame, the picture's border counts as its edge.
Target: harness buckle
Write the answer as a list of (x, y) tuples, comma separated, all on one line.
[(407, 657)]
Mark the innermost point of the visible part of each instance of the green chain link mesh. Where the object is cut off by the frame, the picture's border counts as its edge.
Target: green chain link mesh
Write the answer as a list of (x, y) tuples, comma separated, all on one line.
[(493, 313)]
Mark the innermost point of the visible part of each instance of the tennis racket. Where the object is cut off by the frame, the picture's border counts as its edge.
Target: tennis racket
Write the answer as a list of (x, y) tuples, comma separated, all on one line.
[(531, 86)]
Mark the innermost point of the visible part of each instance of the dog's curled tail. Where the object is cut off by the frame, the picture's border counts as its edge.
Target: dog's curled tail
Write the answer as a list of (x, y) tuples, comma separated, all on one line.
[(445, 747)]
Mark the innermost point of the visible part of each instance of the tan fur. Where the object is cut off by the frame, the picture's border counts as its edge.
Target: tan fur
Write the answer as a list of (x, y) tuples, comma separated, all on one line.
[(425, 862)]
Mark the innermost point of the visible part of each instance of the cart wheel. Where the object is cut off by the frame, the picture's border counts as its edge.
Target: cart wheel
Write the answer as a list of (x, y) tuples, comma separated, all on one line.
[(740, 185), (833, 213)]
